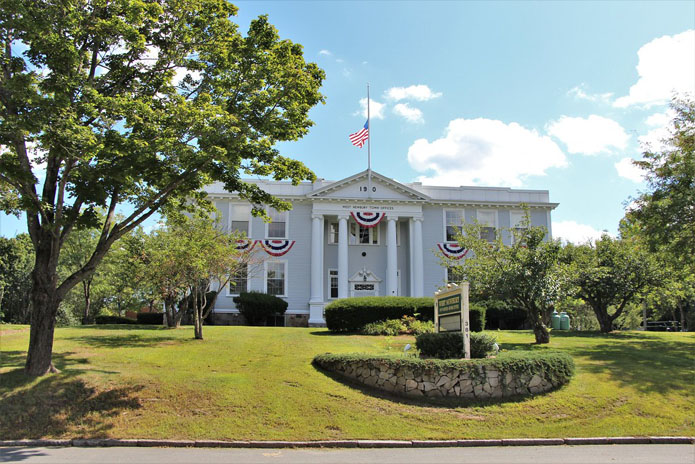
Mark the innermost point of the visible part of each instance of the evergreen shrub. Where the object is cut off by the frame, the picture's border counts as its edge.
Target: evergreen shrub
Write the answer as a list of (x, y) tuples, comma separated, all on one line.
[(257, 307), (150, 318), (352, 314), (114, 320), (449, 345)]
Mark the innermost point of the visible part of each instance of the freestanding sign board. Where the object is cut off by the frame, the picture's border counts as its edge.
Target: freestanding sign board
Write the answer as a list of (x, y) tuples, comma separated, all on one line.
[(451, 313)]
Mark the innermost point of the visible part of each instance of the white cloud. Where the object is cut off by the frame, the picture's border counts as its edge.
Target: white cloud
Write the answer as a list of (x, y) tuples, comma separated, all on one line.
[(414, 92), (580, 93), (665, 65), (376, 109), (654, 138), (629, 171), (325, 53), (409, 113), (571, 231), (484, 151), (589, 136)]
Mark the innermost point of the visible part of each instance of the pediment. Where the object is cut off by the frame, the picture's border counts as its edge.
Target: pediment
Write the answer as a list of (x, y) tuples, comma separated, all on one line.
[(357, 187), (364, 275)]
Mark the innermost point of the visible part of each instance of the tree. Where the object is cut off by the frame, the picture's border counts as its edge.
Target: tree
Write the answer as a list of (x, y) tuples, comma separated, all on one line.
[(524, 274), (608, 275), (134, 106), (191, 261), (666, 213), (16, 261)]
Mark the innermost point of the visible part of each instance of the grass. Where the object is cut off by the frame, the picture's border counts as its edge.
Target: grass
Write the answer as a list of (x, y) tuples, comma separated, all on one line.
[(258, 383)]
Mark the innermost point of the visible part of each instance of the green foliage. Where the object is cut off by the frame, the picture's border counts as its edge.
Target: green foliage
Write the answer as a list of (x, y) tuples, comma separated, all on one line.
[(449, 345), (351, 314), (139, 104), (553, 365), (16, 262), (101, 320), (608, 275), (666, 213), (404, 325), (150, 318), (257, 307), (524, 274)]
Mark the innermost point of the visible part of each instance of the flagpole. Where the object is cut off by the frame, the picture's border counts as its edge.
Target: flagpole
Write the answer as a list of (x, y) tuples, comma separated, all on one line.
[(369, 149)]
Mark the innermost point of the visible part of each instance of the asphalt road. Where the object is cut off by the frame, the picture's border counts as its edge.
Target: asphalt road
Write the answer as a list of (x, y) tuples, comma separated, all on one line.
[(599, 454)]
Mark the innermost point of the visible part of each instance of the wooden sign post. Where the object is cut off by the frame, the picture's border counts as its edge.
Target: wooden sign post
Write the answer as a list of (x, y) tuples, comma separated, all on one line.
[(451, 313)]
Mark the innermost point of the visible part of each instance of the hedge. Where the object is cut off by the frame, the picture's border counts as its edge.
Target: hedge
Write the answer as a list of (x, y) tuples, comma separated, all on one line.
[(150, 318), (449, 345), (114, 320), (555, 366), (257, 307), (351, 314)]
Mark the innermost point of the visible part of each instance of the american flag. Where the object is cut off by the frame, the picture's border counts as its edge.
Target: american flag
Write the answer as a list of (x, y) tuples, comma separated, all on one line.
[(359, 137)]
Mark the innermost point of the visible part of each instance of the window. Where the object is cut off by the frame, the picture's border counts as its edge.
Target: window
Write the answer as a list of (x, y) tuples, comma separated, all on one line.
[(275, 278), (517, 220), (240, 216), (277, 227), (452, 275), (360, 235), (239, 281), (453, 219), (488, 222), (333, 233), (333, 283)]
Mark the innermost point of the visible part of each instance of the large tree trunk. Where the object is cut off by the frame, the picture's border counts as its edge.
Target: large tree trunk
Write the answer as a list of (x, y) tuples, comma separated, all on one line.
[(605, 321), (44, 302), (540, 330)]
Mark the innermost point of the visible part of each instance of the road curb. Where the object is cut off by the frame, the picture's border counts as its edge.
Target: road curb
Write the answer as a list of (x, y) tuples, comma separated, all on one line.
[(578, 441)]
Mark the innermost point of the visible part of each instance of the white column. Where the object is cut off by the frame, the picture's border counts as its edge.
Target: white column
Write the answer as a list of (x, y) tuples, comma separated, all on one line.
[(342, 257), (411, 258), (316, 301), (391, 258), (419, 275)]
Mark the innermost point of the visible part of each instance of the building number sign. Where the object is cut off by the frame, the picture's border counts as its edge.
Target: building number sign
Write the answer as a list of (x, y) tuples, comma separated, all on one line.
[(363, 188)]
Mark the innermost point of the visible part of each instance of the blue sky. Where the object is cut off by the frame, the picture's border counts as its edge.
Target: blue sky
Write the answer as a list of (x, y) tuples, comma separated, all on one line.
[(540, 95)]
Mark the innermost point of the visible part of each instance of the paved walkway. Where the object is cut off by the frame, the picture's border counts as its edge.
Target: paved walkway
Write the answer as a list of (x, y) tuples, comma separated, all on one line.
[(599, 454)]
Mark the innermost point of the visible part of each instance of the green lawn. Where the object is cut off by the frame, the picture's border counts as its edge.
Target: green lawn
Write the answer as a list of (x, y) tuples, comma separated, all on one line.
[(258, 383)]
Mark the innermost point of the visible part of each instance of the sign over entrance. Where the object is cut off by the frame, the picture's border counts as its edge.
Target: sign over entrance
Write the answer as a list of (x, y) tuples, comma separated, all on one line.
[(451, 313)]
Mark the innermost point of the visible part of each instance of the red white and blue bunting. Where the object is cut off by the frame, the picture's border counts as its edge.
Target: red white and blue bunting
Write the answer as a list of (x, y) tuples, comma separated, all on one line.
[(367, 218), (245, 244), (452, 250), (276, 247)]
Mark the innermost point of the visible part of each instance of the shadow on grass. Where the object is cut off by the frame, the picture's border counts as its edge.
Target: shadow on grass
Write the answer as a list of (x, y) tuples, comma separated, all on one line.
[(121, 327), (57, 404), (641, 361), (124, 341)]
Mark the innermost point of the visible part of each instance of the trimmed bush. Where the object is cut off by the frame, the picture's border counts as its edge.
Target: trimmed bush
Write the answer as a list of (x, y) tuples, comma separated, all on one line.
[(406, 325), (101, 320), (449, 345), (352, 314), (257, 307), (150, 318)]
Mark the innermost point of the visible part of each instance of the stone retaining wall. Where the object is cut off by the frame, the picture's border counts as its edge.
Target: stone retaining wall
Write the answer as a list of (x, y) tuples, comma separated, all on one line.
[(477, 382)]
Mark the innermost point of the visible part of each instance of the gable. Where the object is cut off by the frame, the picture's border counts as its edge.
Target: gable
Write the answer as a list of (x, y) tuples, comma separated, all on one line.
[(357, 187)]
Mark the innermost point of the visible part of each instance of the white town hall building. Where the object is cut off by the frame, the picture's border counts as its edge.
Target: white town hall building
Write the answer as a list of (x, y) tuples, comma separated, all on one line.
[(363, 235)]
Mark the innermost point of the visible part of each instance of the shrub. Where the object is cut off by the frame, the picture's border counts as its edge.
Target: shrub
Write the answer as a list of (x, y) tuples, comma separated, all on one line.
[(150, 318), (405, 325), (114, 320), (390, 327), (351, 314), (449, 345), (257, 307)]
